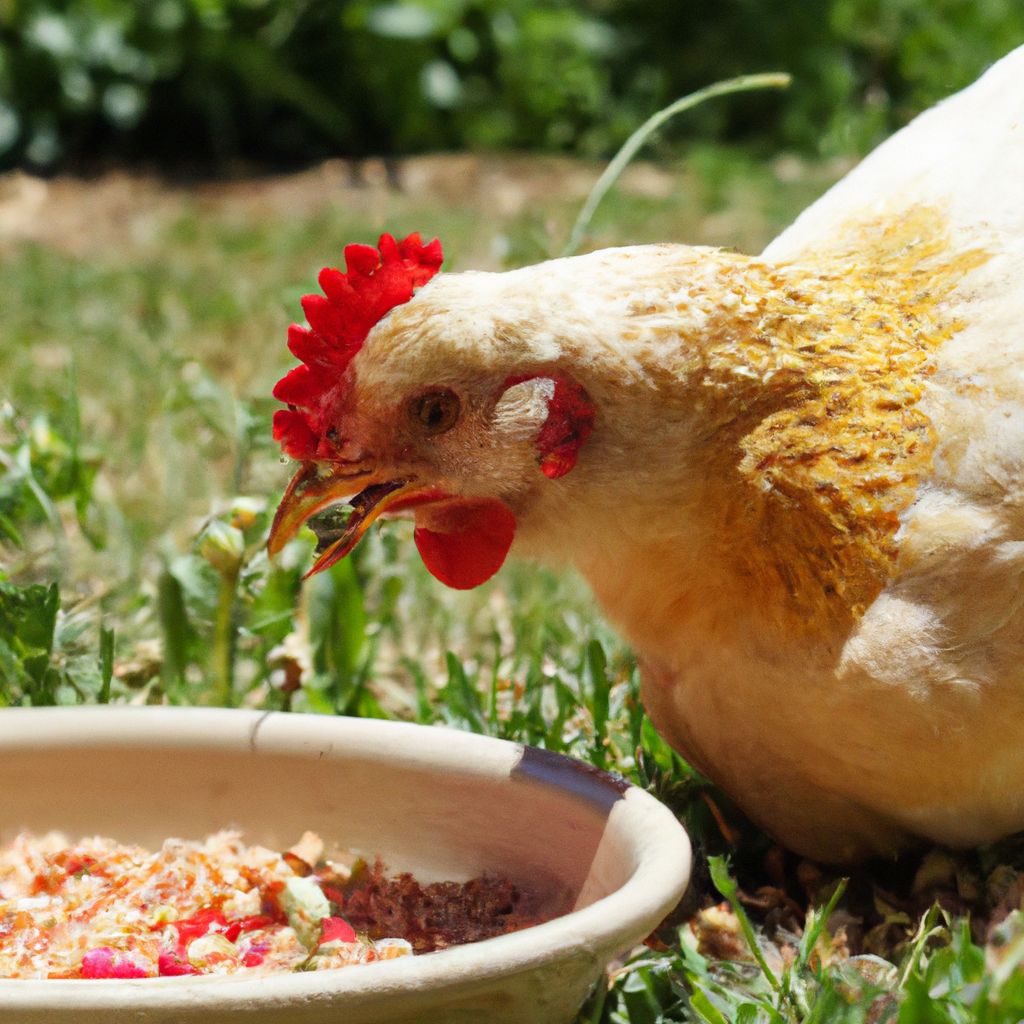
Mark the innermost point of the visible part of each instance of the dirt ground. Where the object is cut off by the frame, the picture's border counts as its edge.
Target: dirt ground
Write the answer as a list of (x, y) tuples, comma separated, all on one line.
[(123, 210), (79, 216)]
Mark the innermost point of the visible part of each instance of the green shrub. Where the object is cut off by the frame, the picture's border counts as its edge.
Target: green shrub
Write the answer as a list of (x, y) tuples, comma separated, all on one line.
[(861, 67), (207, 82), (280, 81)]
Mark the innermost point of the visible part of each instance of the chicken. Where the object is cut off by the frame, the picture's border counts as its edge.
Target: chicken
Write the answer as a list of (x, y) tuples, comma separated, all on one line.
[(794, 482)]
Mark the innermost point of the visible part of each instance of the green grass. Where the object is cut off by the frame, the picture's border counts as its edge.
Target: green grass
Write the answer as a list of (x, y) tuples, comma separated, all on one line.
[(137, 477)]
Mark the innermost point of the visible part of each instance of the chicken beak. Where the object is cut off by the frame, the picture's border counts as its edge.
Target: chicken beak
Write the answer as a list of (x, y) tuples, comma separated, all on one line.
[(370, 504), (315, 487), (311, 490)]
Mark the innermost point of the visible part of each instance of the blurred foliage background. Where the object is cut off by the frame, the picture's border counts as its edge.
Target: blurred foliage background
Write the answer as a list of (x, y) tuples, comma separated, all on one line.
[(211, 83), (143, 328)]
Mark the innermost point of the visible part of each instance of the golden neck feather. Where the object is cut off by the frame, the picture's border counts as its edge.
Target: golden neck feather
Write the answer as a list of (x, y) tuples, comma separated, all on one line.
[(810, 376)]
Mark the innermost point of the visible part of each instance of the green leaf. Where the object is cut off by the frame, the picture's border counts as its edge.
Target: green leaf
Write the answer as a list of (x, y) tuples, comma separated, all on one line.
[(402, 21), (463, 698), (817, 919), (599, 691), (28, 619), (918, 1007), (337, 632), (706, 1010), (12, 675), (106, 664), (176, 630), (9, 530)]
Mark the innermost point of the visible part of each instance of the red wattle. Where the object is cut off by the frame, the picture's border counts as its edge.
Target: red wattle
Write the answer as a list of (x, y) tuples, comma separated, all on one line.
[(466, 541)]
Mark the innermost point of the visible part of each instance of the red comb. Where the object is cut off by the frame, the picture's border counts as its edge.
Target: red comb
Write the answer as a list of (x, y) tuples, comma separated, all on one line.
[(375, 281)]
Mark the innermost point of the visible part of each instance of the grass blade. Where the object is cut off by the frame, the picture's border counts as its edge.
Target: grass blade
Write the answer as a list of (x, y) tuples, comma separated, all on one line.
[(106, 664), (596, 674), (727, 887), (636, 141), (706, 1010), (816, 922), (176, 631)]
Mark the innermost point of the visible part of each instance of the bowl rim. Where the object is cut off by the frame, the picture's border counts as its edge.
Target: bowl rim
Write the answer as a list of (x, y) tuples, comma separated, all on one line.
[(659, 842)]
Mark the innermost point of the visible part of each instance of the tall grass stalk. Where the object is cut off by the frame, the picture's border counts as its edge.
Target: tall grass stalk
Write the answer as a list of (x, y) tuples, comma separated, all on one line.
[(224, 630), (636, 141)]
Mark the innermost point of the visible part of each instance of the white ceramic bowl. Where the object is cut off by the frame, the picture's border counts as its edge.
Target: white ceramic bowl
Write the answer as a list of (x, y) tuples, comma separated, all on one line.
[(438, 802)]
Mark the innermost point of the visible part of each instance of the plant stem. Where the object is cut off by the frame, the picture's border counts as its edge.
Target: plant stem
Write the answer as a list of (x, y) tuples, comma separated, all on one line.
[(632, 145), (224, 640), (726, 885)]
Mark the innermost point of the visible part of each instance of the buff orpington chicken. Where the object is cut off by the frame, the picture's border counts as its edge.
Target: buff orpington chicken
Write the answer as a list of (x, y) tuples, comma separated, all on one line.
[(794, 482)]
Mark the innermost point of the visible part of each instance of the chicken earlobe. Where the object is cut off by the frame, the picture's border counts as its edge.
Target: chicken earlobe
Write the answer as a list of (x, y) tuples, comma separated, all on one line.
[(568, 421)]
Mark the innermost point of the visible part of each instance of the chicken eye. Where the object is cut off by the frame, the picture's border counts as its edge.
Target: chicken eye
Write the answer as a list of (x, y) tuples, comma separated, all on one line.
[(436, 411)]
